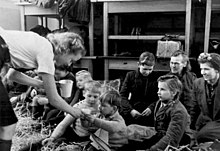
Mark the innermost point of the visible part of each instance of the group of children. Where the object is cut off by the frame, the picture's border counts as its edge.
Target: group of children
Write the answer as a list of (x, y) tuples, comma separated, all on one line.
[(101, 112)]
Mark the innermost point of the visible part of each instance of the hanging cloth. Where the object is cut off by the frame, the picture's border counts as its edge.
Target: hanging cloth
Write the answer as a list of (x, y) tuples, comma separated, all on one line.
[(79, 11)]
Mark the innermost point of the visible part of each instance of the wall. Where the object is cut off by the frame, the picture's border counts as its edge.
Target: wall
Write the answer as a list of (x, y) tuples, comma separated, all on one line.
[(10, 17)]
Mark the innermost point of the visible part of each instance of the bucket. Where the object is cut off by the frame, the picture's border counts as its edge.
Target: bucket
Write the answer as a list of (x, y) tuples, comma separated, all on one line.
[(66, 88)]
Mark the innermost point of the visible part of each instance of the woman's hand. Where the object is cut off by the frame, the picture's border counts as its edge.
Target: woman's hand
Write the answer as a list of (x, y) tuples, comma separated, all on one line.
[(48, 140)]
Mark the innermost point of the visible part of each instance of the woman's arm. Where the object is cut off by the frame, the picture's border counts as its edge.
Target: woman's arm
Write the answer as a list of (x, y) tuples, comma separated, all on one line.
[(62, 126), (24, 79), (54, 98)]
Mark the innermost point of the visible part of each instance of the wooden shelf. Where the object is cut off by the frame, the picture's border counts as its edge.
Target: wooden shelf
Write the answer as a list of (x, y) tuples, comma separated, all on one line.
[(140, 37), (120, 7)]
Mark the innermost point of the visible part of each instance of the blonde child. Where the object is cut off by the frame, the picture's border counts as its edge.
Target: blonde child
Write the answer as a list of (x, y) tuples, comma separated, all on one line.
[(112, 121), (72, 129), (77, 130), (82, 77)]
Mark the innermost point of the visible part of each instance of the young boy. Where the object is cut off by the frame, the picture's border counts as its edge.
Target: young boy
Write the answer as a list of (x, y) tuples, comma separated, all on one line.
[(112, 121), (138, 91), (171, 117), (72, 129), (78, 131)]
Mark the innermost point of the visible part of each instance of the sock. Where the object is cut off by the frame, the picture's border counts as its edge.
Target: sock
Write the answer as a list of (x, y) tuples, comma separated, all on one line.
[(5, 145)]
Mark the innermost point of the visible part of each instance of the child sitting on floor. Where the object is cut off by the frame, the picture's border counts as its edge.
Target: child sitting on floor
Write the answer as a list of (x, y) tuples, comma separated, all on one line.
[(72, 129), (112, 122), (171, 119), (82, 77), (79, 130)]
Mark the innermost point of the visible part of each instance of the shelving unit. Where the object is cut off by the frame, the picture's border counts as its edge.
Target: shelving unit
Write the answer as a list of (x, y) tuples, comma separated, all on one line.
[(121, 7), (211, 7)]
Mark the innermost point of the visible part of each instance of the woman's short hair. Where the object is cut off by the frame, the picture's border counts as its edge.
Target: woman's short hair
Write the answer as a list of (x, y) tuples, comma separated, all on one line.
[(213, 59), (67, 42)]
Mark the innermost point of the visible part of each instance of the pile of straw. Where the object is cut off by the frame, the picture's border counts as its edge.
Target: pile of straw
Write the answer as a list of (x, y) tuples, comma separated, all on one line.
[(29, 131), (26, 132)]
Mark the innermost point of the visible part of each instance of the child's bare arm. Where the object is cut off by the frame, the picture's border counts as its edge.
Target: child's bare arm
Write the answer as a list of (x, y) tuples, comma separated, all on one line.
[(110, 126)]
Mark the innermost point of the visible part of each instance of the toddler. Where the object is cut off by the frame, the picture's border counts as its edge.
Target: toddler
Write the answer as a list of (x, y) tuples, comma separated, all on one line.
[(112, 122)]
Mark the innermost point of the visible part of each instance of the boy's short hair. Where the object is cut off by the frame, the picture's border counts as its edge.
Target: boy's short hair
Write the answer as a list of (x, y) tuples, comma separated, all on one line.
[(84, 74), (93, 86), (111, 97), (147, 58), (173, 83)]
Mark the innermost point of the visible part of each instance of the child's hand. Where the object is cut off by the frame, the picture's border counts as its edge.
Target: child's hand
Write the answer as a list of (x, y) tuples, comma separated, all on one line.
[(135, 114), (146, 112), (33, 93), (48, 140), (86, 115), (77, 113), (23, 96)]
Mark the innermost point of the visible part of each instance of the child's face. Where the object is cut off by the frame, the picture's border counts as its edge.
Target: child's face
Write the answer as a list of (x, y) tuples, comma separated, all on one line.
[(164, 92), (80, 82), (106, 109), (145, 70), (91, 97), (60, 73)]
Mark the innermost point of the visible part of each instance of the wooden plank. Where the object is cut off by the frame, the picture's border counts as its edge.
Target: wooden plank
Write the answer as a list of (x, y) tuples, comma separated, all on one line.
[(93, 1), (215, 5), (105, 39), (133, 37), (123, 64), (34, 10), (207, 25), (188, 25), (91, 31), (23, 19), (147, 6)]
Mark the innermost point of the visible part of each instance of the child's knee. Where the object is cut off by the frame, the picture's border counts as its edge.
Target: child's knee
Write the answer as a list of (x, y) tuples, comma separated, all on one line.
[(43, 101)]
